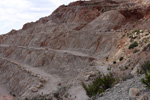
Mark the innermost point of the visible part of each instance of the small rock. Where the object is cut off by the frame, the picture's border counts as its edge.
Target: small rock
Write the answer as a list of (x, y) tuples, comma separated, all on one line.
[(107, 90), (134, 72), (38, 76), (22, 68), (101, 95), (143, 97), (87, 77), (117, 85), (46, 48), (42, 79), (92, 74), (141, 31), (34, 89), (112, 30), (133, 92), (27, 70), (39, 85)]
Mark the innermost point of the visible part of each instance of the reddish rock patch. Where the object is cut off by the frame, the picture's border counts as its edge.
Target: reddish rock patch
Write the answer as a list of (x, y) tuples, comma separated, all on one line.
[(5, 97), (132, 13)]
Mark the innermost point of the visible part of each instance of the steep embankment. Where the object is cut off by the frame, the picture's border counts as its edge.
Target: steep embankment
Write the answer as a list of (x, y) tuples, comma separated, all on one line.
[(71, 46)]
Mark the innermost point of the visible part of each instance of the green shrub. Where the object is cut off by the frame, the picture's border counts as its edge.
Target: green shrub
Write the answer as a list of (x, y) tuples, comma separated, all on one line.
[(100, 84), (146, 69), (146, 66), (133, 45), (26, 99), (121, 58), (109, 68), (136, 31), (146, 80)]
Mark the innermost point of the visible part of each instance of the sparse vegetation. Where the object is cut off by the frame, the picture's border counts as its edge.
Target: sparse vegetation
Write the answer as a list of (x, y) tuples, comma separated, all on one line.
[(114, 62), (146, 80), (123, 68), (26, 99), (56, 95), (146, 69), (100, 84), (121, 58), (146, 66), (133, 45), (136, 31), (109, 68)]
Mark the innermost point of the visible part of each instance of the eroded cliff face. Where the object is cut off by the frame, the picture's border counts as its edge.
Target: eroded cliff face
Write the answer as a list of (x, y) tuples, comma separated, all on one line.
[(71, 46)]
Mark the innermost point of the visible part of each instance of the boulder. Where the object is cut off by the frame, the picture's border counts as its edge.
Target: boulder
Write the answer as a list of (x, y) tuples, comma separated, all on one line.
[(134, 72), (133, 92)]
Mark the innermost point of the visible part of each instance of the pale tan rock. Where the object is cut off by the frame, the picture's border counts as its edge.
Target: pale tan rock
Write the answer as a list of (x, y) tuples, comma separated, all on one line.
[(133, 92), (39, 85), (145, 2), (136, 70), (42, 79), (87, 77), (34, 89), (92, 74)]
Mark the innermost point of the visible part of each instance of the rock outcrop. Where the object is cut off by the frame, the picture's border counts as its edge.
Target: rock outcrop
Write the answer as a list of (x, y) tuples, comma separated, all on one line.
[(72, 45)]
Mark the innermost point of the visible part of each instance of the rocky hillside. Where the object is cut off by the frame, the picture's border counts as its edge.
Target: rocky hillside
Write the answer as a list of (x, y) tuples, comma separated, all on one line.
[(55, 54)]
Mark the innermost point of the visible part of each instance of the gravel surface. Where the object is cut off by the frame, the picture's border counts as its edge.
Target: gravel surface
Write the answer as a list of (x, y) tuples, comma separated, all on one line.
[(121, 90)]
